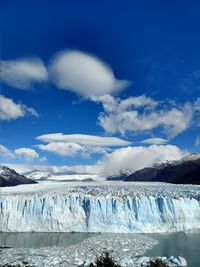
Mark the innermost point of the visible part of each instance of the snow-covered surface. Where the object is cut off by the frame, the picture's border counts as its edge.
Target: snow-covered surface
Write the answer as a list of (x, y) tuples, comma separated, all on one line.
[(105, 188), (192, 156), (49, 177), (186, 158), (100, 207), (126, 250), (5, 171), (43, 175)]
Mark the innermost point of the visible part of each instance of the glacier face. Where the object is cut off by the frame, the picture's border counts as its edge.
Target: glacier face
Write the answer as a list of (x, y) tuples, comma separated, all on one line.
[(100, 207)]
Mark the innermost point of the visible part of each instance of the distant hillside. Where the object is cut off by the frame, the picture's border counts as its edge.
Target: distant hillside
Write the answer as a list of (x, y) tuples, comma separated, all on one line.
[(119, 176), (9, 177), (184, 171)]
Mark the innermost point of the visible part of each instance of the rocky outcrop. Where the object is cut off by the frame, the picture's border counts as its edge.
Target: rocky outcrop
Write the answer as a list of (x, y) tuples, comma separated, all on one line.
[(9, 177)]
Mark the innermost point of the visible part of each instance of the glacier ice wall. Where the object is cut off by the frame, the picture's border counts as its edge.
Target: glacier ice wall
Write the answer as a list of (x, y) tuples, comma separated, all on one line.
[(97, 213)]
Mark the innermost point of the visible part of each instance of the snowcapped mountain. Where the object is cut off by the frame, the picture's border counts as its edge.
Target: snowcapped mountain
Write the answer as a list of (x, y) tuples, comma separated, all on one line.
[(40, 175), (9, 177), (36, 174), (119, 176), (53, 173), (189, 157), (183, 171)]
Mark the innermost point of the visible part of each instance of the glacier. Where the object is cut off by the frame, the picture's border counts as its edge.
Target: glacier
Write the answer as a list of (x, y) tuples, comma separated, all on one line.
[(115, 207)]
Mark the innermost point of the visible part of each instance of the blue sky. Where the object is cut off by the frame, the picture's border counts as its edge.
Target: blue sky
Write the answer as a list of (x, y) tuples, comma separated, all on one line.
[(124, 69)]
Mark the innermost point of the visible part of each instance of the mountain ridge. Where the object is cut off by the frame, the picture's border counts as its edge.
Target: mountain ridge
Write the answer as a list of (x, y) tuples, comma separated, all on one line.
[(183, 171), (9, 177)]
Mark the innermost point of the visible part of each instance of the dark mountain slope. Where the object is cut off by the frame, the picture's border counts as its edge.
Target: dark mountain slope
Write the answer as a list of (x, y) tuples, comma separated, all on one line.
[(184, 171), (9, 177)]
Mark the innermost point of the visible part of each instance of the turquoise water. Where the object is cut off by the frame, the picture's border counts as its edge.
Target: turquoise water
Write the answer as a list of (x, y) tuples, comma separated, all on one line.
[(176, 244), (37, 240), (186, 245)]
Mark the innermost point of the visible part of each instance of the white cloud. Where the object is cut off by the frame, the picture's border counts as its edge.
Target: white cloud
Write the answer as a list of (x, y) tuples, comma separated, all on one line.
[(197, 104), (26, 153), (155, 141), (83, 139), (84, 74), (22, 73), (78, 144), (9, 110), (70, 149), (62, 149), (128, 158), (112, 104), (43, 159), (23, 153), (135, 158), (197, 141), (4, 151), (89, 150), (143, 114)]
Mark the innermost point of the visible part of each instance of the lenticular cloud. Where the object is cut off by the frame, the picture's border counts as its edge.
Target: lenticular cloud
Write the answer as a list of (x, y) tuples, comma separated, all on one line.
[(84, 74)]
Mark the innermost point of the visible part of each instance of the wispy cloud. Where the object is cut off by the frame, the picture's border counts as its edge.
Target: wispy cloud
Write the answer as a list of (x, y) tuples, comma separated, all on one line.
[(9, 110), (197, 141), (155, 141), (5, 152), (22, 73)]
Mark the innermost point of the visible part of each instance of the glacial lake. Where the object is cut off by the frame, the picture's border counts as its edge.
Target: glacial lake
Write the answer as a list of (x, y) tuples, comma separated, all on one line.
[(176, 244), (182, 244)]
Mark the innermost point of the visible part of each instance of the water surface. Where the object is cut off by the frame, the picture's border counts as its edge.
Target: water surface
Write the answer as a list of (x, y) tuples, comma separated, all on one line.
[(37, 240), (182, 244)]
